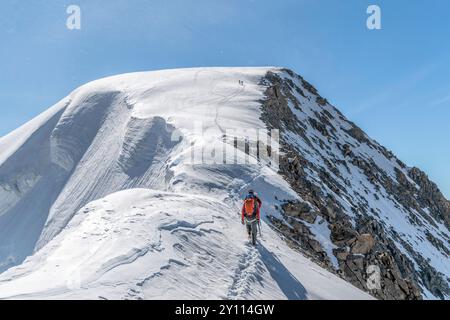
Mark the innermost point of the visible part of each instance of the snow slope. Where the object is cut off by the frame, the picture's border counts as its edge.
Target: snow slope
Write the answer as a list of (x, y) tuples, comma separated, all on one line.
[(99, 197), (142, 244)]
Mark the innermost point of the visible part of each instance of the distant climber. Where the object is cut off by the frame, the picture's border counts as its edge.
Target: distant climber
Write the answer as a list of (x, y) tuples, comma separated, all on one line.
[(250, 214)]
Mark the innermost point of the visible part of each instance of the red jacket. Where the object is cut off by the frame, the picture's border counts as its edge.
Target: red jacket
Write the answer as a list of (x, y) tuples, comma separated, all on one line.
[(257, 209)]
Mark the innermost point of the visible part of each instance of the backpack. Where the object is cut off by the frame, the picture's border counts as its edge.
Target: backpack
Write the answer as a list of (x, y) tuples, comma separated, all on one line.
[(250, 206)]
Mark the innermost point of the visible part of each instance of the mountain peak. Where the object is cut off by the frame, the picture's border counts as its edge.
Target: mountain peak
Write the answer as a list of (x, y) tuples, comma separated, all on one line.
[(137, 178)]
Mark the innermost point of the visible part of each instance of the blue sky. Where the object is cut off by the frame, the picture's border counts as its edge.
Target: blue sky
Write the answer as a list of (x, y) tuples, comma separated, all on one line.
[(394, 82)]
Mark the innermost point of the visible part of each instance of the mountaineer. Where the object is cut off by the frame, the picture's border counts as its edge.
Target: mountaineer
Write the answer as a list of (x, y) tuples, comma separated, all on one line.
[(250, 214)]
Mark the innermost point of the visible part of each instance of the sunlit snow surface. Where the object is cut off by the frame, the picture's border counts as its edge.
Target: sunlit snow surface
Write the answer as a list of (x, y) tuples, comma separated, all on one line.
[(142, 244), (99, 201)]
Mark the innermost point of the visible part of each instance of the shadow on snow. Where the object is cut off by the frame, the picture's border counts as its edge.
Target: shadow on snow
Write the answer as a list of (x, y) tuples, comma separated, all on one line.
[(287, 282)]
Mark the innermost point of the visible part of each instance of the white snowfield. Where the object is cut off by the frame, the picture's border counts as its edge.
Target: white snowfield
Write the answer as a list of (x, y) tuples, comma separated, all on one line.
[(99, 201), (142, 244)]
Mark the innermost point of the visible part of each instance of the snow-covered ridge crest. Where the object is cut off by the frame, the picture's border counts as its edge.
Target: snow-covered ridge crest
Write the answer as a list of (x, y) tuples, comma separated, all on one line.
[(142, 244), (90, 217)]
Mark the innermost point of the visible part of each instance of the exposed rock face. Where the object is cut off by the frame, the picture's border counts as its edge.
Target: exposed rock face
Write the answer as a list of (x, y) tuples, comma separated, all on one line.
[(430, 196), (300, 210), (363, 244), (378, 212)]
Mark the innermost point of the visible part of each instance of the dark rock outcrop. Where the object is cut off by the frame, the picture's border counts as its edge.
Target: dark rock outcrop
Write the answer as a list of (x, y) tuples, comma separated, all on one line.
[(364, 244)]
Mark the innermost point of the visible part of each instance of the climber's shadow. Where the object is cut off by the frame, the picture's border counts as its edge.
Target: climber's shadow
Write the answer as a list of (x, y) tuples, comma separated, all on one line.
[(288, 283)]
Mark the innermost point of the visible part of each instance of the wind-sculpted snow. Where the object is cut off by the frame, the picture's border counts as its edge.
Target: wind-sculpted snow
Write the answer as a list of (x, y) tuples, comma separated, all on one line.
[(144, 140), (142, 244), (130, 188), (78, 127), (29, 184), (12, 191)]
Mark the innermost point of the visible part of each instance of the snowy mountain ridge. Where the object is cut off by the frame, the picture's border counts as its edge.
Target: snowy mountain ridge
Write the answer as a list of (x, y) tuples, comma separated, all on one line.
[(99, 197)]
